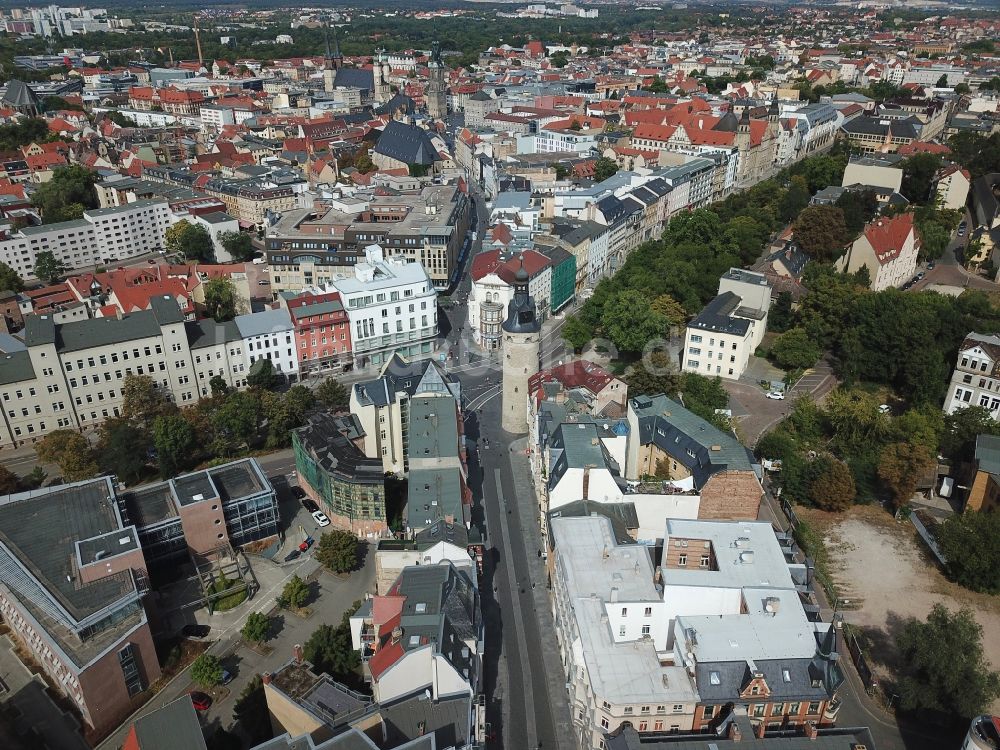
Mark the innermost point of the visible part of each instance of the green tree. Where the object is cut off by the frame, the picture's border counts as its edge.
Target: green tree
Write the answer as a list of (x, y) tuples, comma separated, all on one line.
[(605, 168), (970, 542), (122, 449), (859, 207), (945, 669), (250, 711), (660, 377), (9, 280), (256, 628), (703, 396), (901, 466), (780, 316), (821, 232), (670, 309), (218, 385), (562, 171), (958, 441), (71, 452), (238, 244), (576, 332), (9, 482), (334, 395), (235, 423), (795, 349), (176, 443), (261, 374), (295, 594), (67, 194), (338, 550), (142, 400), (190, 240), (630, 323), (23, 132), (833, 489), (559, 60), (220, 298), (918, 177), (796, 198), (942, 82), (206, 670), (329, 649), (48, 268)]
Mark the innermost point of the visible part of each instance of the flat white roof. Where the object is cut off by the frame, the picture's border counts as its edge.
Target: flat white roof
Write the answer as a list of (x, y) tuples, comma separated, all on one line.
[(747, 554), (591, 563)]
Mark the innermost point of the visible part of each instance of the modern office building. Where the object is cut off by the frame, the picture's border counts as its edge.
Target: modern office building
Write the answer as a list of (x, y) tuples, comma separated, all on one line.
[(334, 471)]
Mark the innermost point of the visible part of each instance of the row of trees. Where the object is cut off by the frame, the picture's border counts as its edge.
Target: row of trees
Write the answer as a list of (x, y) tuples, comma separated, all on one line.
[(680, 271), (153, 431)]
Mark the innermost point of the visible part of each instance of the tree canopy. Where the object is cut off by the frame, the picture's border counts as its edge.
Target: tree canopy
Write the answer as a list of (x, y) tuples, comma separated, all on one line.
[(821, 231), (221, 301), (945, 669), (48, 268), (67, 195), (192, 241), (970, 542), (238, 244), (338, 550)]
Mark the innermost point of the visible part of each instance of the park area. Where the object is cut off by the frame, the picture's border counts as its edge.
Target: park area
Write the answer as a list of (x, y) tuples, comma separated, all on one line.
[(884, 575)]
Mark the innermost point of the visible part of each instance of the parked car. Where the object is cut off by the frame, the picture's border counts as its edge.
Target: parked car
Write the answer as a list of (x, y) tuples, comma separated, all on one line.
[(306, 544), (920, 275), (201, 701), (309, 505), (930, 266), (320, 518), (195, 630), (297, 492), (775, 395), (227, 677)]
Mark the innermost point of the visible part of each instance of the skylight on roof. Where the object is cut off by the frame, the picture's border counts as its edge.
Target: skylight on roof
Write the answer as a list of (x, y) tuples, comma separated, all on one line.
[(714, 678)]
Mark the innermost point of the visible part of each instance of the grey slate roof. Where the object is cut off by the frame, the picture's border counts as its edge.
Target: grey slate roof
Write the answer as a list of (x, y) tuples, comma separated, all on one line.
[(323, 437), (717, 316), (701, 448), (20, 95), (16, 367), (173, 727), (260, 323), (401, 375), (409, 144), (206, 332), (358, 78), (84, 334)]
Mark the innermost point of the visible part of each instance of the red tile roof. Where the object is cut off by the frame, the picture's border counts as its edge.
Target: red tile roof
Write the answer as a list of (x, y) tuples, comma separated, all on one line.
[(506, 265), (887, 236)]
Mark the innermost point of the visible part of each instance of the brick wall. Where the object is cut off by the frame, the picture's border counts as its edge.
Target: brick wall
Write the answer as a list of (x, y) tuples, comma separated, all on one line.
[(731, 495)]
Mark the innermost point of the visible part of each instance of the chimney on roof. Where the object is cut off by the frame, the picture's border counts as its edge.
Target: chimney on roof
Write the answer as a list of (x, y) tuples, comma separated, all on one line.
[(760, 730), (266, 678), (810, 730), (297, 653), (734, 734)]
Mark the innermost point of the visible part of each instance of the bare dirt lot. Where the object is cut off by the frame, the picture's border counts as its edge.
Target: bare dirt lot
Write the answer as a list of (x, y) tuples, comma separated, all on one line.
[(882, 568)]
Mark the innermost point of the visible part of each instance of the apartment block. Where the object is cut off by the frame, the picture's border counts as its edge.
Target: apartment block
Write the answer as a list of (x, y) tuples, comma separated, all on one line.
[(722, 470), (102, 236), (322, 334), (721, 339), (975, 381), (71, 374), (425, 633), (382, 406), (311, 247), (437, 483), (391, 304), (714, 630)]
